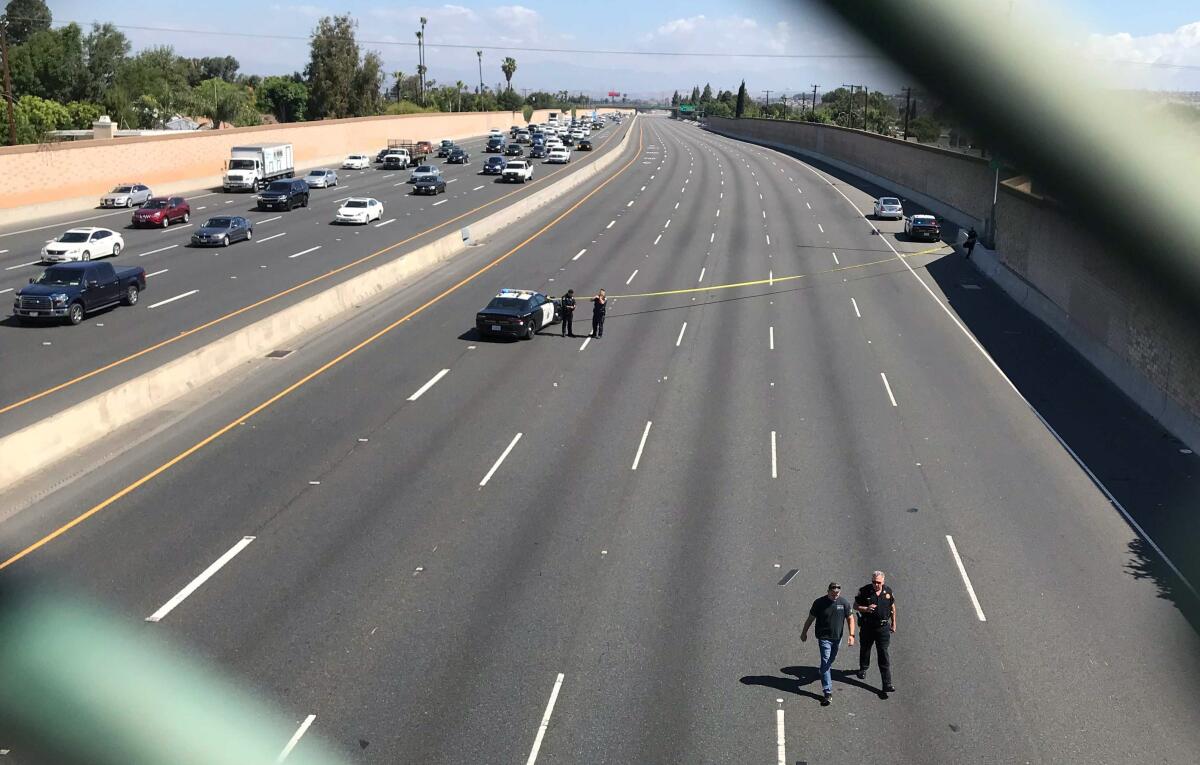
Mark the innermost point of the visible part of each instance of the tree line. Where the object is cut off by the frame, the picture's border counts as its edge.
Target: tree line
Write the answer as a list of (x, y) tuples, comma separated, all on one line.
[(66, 77)]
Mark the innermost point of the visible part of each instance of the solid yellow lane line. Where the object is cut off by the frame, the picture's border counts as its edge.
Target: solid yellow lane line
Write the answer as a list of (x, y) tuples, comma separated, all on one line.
[(311, 375), (187, 333)]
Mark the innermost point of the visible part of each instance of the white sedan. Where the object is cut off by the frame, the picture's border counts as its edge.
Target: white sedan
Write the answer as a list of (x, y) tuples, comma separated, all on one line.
[(888, 207), (321, 178), (559, 156), (83, 244), (359, 210), (356, 162), (424, 173)]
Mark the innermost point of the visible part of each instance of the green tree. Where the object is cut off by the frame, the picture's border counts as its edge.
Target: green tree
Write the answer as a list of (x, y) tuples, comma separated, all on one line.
[(695, 99), (707, 95), (509, 100), (82, 114), (527, 113), (201, 69), (25, 18), (284, 97), (740, 109), (222, 101), (50, 64), (675, 99), (34, 117), (366, 98), (105, 49), (509, 67), (332, 67), (925, 128)]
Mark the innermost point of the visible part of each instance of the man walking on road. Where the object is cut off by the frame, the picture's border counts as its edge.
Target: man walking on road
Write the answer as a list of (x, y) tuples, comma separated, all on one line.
[(830, 612), (969, 242), (876, 607), (568, 314), (599, 309)]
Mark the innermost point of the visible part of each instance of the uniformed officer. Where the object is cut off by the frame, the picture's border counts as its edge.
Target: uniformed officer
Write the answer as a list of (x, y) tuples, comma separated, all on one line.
[(599, 309), (876, 607), (568, 314)]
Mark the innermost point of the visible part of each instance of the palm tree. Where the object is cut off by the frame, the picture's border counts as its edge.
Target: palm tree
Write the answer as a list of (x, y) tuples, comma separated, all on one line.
[(398, 76), (459, 87), (479, 55), (509, 66)]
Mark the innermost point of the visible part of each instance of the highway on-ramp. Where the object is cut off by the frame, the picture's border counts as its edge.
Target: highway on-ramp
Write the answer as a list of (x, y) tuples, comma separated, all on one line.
[(576, 550)]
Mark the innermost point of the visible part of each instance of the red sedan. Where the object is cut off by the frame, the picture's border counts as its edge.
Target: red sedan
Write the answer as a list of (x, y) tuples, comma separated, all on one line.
[(162, 211)]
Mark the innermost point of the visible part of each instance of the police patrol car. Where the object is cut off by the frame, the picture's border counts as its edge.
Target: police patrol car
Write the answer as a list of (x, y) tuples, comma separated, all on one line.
[(516, 313)]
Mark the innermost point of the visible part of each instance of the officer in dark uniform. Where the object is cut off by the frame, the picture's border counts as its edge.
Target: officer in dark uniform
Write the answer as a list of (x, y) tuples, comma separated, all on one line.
[(568, 313), (969, 243), (599, 309), (876, 607)]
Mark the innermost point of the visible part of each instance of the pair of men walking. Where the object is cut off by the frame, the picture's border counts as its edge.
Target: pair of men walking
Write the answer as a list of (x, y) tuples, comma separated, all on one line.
[(599, 311), (872, 617)]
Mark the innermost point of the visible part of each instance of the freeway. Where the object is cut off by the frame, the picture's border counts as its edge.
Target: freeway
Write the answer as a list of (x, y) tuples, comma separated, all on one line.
[(191, 293), (577, 550)]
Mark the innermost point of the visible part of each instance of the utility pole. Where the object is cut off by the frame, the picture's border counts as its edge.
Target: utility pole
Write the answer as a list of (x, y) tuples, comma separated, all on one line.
[(783, 98), (865, 93), (8, 94), (479, 55), (768, 97), (813, 111), (851, 113), (907, 99)]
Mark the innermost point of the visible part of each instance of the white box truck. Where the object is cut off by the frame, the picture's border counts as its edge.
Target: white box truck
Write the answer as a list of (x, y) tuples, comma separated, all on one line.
[(252, 167)]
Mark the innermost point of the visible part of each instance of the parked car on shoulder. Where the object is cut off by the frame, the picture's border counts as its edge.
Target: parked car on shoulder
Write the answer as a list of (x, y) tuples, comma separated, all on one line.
[(71, 290), (888, 207), (162, 212), (126, 195), (359, 210), (83, 244), (223, 230), (356, 162), (284, 194), (923, 227), (321, 178)]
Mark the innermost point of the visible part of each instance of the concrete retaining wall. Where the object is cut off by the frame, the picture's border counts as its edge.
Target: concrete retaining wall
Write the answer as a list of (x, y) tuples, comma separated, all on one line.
[(65, 177), (1098, 300), (38, 446)]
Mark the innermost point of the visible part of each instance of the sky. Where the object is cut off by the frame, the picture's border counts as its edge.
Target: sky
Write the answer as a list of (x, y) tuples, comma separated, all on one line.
[(1158, 32)]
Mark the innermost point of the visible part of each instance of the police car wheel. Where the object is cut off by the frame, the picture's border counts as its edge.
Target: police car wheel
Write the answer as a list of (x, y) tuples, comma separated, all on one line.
[(529, 330)]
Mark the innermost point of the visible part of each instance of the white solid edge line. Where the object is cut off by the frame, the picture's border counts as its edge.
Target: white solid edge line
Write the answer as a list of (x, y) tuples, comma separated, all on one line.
[(305, 252), (774, 471), (586, 340), (537, 741), (1137, 527), (295, 739), (173, 299), (160, 249), (195, 584), (679, 339), (156, 273), (383, 223), (496, 466), (641, 445), (428, 385), (780, 739), (579, 254), (888, 388), (855, 304), (273, 236), (966, 579)]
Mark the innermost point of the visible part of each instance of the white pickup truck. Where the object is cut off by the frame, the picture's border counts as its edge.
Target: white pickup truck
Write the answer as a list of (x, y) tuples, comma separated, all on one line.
[(517, 170)]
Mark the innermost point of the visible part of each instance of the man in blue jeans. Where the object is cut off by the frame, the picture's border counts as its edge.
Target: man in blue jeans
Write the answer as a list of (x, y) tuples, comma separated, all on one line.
[(830, 612)]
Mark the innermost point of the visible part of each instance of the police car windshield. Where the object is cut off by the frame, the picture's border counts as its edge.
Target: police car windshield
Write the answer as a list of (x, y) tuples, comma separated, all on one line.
[(507, 302)]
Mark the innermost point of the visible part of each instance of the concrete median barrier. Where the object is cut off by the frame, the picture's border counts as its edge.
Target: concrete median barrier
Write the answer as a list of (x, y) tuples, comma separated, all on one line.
[(38, 446)]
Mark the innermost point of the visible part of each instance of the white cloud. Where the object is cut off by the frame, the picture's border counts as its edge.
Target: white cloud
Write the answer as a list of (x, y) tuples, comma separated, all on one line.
[(728, 34), (1154, 56)]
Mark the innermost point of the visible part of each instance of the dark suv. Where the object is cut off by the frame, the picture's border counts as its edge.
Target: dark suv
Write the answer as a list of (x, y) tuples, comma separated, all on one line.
[(284, 194)]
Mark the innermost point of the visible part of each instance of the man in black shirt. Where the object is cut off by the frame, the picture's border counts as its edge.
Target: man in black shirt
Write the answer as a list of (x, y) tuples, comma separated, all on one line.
[(876, 607), (830, 612), (568, 314), (599, 310)]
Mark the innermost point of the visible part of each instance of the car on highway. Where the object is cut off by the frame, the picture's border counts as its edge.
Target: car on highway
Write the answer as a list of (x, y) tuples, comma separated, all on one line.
[(424, 172), (495, 132), (560, 156), (71, 290), (359, 210), (458, 156), (126, 195), (516, 313), (523, 136), (493, 166), (162, 212), (356, 162), (284, 194), (888, 207), (321, 178), (494, 145), (537, 152), (922, 227), (395, 160), (444, 147), (585, 144), (518, 170), (431, 185), (381, 154), (553, 142), (83, 244), (567, 139), (513, 150), (223, 230)]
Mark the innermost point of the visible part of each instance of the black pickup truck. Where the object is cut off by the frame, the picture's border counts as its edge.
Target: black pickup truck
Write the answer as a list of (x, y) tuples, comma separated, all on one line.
[(70, 290)]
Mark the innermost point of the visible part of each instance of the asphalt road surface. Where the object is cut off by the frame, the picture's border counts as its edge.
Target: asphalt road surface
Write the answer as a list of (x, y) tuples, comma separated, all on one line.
[(590, 538), (196, 294)]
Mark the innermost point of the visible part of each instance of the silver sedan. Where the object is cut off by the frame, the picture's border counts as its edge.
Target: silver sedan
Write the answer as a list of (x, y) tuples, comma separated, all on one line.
[(321, 178), (889, 207), (127, 195)]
